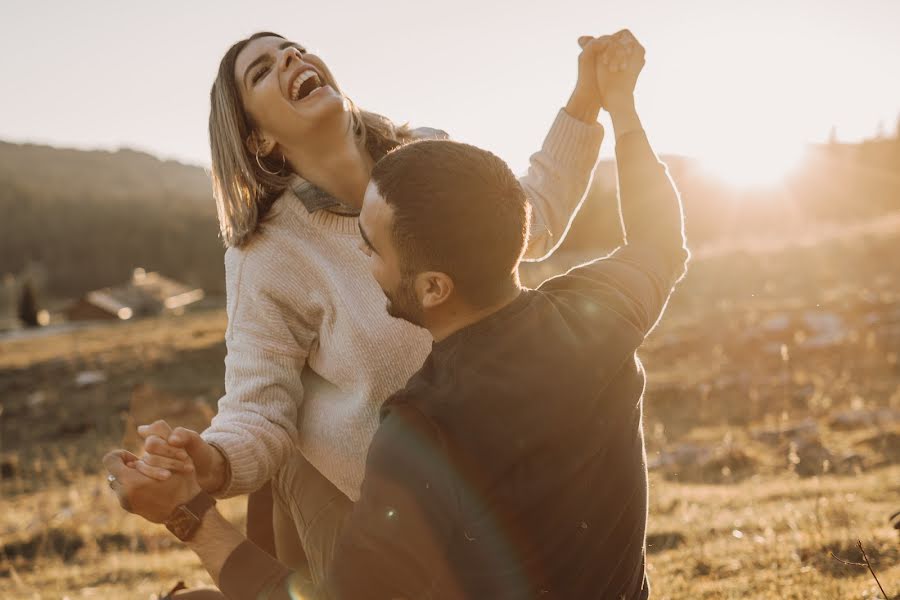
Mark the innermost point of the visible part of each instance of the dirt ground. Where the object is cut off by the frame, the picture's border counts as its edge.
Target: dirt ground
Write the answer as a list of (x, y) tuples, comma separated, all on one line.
[(772, 422)]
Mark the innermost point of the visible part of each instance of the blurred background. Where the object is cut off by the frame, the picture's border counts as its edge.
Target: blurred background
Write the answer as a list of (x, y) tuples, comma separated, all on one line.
[(772, 411)]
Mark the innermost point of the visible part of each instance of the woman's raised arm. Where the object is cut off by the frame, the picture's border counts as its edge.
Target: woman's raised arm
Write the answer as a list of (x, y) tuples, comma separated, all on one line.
[(559, 175)]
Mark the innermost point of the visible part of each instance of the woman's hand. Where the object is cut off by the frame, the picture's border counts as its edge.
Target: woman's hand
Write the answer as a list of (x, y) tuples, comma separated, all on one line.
[(608, 68), (585, 104), (180, 450)]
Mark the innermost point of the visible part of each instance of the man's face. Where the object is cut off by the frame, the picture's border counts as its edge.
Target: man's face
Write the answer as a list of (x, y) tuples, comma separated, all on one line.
[(398, 285)]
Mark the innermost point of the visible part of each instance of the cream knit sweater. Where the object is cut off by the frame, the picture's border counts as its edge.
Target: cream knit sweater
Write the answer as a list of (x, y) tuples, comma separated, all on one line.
[(311, 351)]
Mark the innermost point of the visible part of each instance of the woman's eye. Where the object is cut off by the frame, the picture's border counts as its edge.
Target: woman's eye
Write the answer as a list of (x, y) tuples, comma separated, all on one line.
[(260, 74)]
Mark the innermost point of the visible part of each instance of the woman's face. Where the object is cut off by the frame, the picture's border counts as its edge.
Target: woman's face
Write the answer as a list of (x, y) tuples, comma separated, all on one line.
[(284, 89)]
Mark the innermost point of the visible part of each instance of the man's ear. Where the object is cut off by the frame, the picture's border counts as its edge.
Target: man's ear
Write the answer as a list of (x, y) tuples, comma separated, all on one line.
[(433, 288), (259, 143)]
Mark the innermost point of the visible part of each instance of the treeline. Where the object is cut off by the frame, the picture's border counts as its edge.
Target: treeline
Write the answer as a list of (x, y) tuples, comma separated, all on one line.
[(88, 218), (83, 243)]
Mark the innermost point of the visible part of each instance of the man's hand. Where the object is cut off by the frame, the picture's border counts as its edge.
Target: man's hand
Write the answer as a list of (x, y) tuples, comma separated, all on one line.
[(180, 450), (149, 498), (608, 68)]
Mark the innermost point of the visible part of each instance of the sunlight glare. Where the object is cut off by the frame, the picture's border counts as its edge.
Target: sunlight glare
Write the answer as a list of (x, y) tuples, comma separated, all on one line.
[(753, 164)]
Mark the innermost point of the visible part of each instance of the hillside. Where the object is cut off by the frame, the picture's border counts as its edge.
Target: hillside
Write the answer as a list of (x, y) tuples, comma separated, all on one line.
[(89, 217)]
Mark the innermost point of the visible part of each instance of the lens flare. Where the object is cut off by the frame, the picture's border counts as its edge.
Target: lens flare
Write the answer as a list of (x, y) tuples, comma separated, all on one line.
[(749, 165)]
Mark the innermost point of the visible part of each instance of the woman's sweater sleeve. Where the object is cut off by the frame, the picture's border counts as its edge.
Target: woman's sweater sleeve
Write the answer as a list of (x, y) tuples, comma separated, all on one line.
[(558, 178), (256, 424)]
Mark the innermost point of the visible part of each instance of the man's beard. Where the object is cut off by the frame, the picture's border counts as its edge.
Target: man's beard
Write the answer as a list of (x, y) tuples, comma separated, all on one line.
[(402, 303)]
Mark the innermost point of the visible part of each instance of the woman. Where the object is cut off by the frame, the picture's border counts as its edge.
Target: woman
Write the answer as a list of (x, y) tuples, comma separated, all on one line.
[(312, 353)]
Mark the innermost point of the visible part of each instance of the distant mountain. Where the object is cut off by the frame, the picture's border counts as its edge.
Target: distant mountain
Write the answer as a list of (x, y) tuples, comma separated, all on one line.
[(101, 174), (87, 218)]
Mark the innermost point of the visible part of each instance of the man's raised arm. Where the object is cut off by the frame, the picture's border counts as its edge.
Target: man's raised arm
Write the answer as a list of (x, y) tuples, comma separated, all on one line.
[(648, 201), (636, 280)]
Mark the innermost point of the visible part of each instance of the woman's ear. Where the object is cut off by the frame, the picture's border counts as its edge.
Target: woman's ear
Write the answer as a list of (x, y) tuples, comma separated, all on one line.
[(259, 144), (433, 288)]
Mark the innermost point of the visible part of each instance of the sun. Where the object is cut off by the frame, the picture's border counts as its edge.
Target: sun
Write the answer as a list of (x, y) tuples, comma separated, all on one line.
[(751, 165)]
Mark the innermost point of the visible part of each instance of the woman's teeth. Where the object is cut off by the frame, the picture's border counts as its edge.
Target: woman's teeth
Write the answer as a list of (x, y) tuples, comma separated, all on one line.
[(305, 83)]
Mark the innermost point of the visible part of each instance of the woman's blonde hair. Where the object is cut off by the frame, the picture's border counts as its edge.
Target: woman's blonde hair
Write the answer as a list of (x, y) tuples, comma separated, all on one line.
[(243, 191)]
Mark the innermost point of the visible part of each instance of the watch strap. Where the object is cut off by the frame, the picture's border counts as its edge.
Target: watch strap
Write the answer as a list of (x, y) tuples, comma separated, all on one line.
[(199, 504), (187, 518)]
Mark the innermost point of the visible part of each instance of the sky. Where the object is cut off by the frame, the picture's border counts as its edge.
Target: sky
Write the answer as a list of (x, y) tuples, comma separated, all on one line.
[(724, 80)]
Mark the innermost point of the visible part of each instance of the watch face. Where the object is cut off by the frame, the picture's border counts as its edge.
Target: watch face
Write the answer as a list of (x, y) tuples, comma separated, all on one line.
[(182, 523)]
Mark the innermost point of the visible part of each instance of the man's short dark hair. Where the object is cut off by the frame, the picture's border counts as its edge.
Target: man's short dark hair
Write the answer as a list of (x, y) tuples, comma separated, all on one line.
[(459, 210)]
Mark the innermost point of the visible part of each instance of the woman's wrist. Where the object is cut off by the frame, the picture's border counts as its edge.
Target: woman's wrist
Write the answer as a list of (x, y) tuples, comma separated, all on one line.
[(584, 106), (218, 475)]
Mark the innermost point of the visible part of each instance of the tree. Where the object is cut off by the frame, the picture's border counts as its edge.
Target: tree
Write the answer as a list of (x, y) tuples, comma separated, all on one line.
[(28, 309)]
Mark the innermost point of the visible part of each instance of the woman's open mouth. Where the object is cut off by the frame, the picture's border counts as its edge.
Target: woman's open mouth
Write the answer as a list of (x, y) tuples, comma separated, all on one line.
[(305, 84)]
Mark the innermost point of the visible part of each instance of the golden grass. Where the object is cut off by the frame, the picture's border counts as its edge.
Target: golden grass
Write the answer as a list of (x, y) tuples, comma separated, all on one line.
[(771, 537), (763, 538), (746, 525)]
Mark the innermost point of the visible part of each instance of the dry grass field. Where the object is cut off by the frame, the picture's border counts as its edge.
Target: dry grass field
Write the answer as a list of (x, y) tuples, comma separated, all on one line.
[(772, 422)]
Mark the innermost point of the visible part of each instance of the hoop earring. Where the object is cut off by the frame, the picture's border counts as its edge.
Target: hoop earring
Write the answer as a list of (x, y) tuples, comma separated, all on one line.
[(265, 170)]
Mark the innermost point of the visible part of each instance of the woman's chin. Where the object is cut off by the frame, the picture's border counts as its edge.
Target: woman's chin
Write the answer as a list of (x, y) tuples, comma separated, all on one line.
[(326, 109)]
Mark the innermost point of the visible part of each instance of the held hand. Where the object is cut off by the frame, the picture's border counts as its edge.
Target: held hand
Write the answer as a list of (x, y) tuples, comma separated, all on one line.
[(180, 450), (584, 103), (141, 495), (609, 66), (160, 458)]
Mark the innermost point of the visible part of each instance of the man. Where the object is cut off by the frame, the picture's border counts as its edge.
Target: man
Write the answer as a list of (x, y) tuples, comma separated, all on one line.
[(512, 465)]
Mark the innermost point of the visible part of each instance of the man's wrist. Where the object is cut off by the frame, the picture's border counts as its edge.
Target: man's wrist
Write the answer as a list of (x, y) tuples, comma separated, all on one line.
[(214, 541), (211, 524), (185, 520), (624, 117), (619, 106)]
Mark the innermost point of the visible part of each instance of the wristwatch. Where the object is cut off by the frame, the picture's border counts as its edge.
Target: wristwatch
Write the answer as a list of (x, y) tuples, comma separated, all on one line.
[(186, 519)]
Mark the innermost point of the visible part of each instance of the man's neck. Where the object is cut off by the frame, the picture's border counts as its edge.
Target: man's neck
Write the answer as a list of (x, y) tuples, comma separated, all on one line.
[(337, 163), (458, 318)]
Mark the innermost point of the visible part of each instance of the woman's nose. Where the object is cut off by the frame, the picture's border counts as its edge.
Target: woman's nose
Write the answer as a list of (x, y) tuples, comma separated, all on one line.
[(289, 56)]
